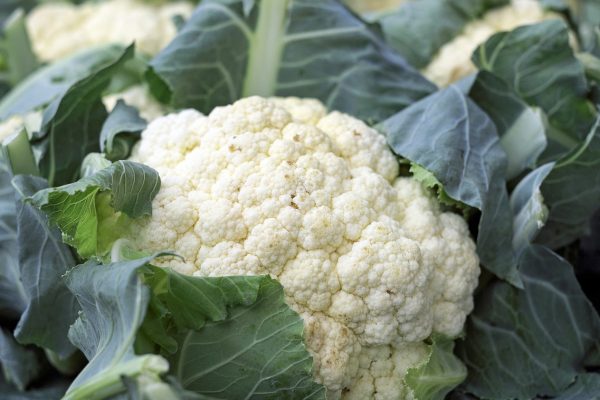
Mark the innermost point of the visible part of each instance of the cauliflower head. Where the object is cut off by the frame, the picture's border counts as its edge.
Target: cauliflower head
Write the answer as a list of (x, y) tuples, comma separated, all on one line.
[(282, 187), (453, 61), (60, 29)]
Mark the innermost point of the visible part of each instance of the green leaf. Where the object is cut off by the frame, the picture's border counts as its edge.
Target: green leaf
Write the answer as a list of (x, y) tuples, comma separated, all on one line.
[(532, 342), (113, 300), (20, 365), (520, 127), (93, 212), (120, 131), (537, 62), (585, 15), (451, 137), (51, 81), (13, 298), (439, 374), (20, 155), (572, 192), (418, 29), (43, 259), (234, 329), (51, 391), (302, 48), (72, 124), (586, 387), (430, 181), (530, 212)]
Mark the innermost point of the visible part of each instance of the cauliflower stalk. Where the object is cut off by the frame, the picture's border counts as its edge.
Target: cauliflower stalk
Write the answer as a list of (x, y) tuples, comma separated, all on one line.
[(313, 199), (60, 29), (453, 60)]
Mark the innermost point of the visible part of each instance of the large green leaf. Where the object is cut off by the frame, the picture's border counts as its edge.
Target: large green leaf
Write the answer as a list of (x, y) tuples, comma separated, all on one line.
[(234, 48), (43, 259), (521, 129), (49, 82), (539, 65), (447, 134), (113, 300), (572, 192), (234, 329), (439, 374), (72, 123), (51, 391), (418, 29), (530, 212), (93, 212), (13, 298), (19, 365), (531, 342)]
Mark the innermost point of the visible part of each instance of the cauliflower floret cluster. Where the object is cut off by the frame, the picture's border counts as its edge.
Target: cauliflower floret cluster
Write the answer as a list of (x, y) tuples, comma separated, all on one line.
[(59, 29), (453, 60), (281, 187)]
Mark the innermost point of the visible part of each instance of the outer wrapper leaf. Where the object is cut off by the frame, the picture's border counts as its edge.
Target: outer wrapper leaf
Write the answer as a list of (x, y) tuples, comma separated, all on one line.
[(441, 373), (236, 338), (113, 300), (92, 212)]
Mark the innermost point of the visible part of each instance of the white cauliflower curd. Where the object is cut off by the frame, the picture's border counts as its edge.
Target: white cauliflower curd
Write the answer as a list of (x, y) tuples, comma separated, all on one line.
[(60, 29), (453, 61), (282, 187)]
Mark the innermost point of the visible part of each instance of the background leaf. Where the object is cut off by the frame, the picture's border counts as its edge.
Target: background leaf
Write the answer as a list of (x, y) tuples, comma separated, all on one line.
[(537, 62), (418, 29), (62, 126), (43, 259), (20, 365), (531, 342), (13, 298), (285, 48), (49, 82)]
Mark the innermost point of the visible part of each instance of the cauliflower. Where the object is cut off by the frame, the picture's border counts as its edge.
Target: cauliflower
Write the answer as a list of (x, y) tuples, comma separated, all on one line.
[(60, 29), (138, 96), (282, 187), (373, 6), (453, 60)]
